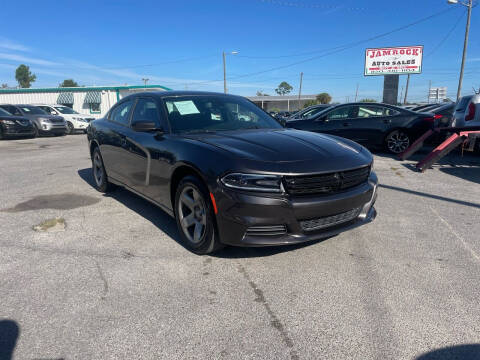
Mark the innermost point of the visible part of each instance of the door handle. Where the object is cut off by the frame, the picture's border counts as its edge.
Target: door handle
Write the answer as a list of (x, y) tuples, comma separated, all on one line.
[(347, 124), (387, 121)]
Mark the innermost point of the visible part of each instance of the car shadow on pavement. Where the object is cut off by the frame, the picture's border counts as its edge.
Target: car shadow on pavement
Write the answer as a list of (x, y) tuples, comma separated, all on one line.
[(432, 196), (168, 225), (460, 352), (9, 331)]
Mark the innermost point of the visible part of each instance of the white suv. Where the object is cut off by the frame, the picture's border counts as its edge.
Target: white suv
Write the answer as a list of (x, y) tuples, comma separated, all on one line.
[(75, 121)]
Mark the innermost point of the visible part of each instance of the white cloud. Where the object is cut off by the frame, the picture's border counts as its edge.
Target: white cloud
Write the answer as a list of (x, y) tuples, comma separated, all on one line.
[(11, 45), (27, 60)]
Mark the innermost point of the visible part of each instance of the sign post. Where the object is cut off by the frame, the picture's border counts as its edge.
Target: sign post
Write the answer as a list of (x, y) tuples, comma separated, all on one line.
[(390, 63)]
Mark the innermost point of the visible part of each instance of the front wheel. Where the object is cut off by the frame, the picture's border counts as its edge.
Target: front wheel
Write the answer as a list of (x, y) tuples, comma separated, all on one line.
[(397, 141), (70, 128), (195, 217)]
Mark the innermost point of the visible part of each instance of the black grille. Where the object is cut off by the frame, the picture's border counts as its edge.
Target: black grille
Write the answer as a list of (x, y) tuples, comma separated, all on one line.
[(269, 230), (324, 222), (330, 183), (56, 121)]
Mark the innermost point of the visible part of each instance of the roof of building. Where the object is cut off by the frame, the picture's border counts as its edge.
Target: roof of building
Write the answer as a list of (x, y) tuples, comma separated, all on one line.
[(80, 89), (281, 98)]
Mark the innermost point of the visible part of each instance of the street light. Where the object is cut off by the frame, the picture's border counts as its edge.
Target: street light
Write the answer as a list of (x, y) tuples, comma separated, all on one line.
[(145, 81), (225, 69), (469, 5)]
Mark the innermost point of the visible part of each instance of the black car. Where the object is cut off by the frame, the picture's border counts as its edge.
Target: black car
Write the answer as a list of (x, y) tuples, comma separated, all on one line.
[(373, 125), (309, 112), (228, 172), (14, 126)]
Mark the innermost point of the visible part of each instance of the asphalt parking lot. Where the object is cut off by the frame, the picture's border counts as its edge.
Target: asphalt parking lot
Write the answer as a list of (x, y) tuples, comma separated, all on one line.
[(111, 281)]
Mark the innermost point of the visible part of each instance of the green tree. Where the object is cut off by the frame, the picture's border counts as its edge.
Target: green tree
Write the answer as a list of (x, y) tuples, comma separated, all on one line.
[(284, 88), (68, 83), (261, 93), (324, 98), (24, 77), (310, 103), (368, 100), (4, 86)]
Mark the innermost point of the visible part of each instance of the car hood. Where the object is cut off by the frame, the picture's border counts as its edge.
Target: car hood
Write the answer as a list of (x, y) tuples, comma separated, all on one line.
[(284, 145)]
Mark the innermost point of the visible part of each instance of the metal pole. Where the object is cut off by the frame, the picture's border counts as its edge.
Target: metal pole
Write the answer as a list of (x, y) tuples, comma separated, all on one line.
[(429, 89), (300, 91), (356, 93), (224, 74), (401, 95), (406, 90), (465, 43)]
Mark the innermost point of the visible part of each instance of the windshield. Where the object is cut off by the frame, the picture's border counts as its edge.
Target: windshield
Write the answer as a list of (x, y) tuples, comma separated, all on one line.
[(65, 110), (4, 112), (204, 113), (32, 110)]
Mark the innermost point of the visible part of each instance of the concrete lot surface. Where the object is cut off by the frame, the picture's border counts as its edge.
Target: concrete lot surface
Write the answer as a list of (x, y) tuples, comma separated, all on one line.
[(111, 281)]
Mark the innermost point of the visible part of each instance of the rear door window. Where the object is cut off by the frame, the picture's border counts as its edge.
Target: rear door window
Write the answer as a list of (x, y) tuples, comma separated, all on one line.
[(121, 114), (462, 104), (344, 112)]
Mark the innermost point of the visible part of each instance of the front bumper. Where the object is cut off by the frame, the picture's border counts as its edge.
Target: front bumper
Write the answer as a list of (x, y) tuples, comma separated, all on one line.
[(240, 215), (18, 130), (55, 128)]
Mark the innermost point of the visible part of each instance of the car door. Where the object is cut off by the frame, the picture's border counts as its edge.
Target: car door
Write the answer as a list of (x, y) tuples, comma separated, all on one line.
[(333, 122), (369, 125), (114, 146)]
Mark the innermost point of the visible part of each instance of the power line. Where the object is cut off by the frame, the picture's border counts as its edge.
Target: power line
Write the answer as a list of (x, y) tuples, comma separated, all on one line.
[(342, 47), (447, 35)]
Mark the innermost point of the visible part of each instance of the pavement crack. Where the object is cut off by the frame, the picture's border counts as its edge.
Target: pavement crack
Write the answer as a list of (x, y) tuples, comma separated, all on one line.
[(274, 320), (104, 280)]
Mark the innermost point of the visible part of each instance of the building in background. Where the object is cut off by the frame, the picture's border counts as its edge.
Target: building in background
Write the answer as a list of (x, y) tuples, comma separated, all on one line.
[(281, 103), (93, 100)]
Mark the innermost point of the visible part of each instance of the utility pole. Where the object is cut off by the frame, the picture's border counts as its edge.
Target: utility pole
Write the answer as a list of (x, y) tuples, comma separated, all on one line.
[(406, 89), (429, 89), (224, 74), (469, 5), (356, 93), (401, 95), (300, 91), (224, 54), (145, 81)]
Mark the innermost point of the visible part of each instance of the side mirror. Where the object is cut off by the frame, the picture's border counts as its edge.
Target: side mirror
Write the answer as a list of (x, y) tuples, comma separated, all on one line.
[(145, 126), (53, 112)]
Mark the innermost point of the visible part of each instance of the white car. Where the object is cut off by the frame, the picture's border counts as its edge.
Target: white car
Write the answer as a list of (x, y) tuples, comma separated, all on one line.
[(467, 111), (75, 121)]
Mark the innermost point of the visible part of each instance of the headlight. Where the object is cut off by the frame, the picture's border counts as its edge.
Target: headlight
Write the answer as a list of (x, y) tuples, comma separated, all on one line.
[(8, 122), (253, 182)]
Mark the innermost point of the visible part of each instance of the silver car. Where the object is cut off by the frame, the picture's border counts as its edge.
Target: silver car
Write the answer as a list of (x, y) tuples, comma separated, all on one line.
[(44, 123)]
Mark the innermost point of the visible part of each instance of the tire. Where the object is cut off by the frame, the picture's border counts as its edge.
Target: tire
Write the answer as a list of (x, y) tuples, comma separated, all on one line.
[(35, 132), (1, 135), (70, 128), (397, 141), (195, 217), (99, 173)]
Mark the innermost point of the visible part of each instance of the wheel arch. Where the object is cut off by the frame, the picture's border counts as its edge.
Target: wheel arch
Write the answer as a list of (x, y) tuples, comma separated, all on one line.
[(179, 173)]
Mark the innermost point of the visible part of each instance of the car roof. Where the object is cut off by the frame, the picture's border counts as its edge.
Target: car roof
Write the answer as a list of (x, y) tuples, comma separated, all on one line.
[(179, 93)]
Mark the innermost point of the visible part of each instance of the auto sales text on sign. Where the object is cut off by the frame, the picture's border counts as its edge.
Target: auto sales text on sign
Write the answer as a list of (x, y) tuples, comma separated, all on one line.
[(397, 60)]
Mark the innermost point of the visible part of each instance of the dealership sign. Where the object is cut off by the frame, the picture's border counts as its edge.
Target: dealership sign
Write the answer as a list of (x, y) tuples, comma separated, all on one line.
[(394, 61)]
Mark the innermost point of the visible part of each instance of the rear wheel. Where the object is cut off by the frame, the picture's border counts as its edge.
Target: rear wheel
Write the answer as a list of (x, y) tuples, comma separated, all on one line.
[(195, 217), (99, 174), (35, 131), (397, 141)]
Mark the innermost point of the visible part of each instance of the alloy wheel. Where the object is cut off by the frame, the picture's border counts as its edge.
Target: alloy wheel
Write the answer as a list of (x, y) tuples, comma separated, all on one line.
[(98, 172), (70, 128), (398, 142), (192, 214)]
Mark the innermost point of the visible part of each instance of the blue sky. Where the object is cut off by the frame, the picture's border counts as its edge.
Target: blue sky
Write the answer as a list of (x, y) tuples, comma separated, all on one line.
[(179, 43)]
